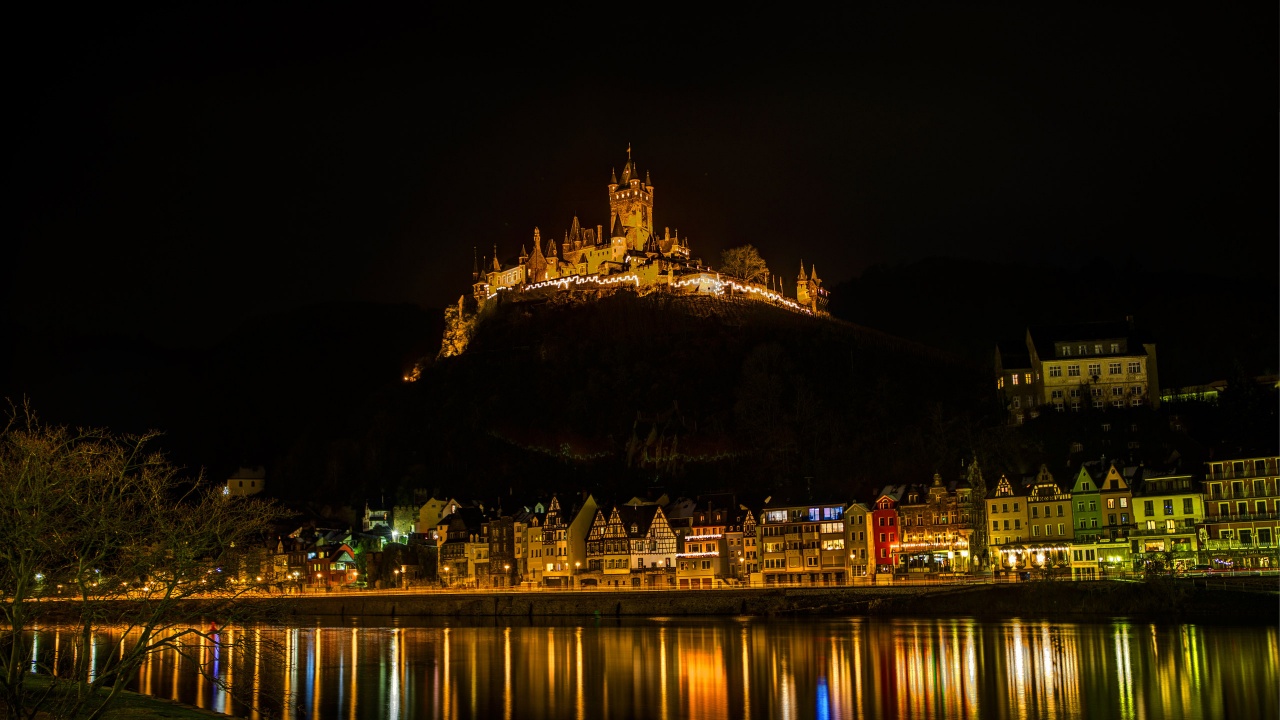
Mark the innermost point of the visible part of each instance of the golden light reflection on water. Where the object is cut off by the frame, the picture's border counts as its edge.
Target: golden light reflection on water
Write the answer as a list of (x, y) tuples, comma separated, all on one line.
[(712, 668)]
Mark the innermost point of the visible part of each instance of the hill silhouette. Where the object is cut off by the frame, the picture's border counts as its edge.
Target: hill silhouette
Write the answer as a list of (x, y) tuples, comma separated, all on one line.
[(689, 394)]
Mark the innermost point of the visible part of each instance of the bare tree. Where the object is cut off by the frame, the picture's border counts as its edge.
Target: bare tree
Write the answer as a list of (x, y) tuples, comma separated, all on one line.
[(744, 262), (99, 531)]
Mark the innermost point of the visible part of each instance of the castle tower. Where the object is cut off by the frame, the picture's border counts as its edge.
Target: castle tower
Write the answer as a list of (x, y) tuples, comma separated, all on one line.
[(802, 287), (537, 264), (809, 292), (631, 200)]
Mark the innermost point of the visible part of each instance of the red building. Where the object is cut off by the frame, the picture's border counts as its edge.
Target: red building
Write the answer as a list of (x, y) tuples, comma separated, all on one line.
[(333, 566), (883, 530)]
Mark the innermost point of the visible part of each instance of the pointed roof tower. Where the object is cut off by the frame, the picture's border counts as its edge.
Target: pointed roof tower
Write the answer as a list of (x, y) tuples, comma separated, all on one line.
[(813, 272), (475, 264), (613, 176), (802, 275), (618, 229), (497, 266)]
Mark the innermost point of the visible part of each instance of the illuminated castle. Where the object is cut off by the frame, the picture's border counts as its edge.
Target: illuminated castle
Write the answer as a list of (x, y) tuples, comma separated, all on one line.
[(631, 256)]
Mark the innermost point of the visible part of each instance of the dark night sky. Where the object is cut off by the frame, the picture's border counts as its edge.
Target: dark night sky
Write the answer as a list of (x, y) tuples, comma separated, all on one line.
[(173, 173)]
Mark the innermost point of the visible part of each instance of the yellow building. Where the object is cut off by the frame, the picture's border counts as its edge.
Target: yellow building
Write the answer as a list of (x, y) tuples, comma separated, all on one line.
[(1096, 365), (1169, 510), (1007, 513)]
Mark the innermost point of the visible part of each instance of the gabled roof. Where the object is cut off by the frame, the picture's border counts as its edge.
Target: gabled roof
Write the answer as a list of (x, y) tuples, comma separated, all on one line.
[(639, 516)]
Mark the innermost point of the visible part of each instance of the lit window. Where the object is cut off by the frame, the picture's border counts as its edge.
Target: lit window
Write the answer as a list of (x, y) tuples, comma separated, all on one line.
[(1115, 347), (1027, 378), (1014, 379)]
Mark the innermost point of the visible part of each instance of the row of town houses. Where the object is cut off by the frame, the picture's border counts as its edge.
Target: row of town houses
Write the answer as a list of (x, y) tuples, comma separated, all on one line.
[(1096, 519)]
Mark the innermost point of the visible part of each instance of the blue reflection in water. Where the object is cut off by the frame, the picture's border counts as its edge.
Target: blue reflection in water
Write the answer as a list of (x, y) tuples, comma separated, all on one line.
[(824, 701)]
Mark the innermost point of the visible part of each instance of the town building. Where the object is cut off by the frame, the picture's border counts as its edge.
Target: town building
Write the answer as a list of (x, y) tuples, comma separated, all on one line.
[(1169, 510), (936, 527), (1007, 513), (861, 556), (1115, 499), (246, 481), (703, 560), (564, 541), (1017, 385), (463, 542), (1242, 506), (1099, 365), (883, 529), (803, 544), (1051, 524)]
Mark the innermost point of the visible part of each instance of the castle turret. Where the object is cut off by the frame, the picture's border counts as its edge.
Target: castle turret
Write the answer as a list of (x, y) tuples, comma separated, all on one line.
[(497, 266)]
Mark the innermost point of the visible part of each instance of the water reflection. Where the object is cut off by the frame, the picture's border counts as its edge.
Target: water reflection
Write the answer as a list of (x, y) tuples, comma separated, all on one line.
[(710, 668)]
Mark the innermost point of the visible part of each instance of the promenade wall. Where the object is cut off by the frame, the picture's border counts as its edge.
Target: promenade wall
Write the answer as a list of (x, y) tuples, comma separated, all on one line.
[(1067, 601)]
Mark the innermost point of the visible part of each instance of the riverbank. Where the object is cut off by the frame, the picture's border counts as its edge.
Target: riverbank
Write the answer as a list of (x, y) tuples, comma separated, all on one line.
[(1172, 600)]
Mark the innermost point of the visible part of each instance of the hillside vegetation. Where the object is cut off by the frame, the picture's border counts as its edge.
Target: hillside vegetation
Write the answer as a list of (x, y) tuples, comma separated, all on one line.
[(684, 393)]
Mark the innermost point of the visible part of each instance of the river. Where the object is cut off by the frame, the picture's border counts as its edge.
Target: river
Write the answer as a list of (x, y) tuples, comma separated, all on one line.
[(684, 667)]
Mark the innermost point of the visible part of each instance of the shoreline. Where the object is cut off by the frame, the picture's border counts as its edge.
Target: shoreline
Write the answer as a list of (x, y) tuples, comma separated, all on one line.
[(1181, 601)]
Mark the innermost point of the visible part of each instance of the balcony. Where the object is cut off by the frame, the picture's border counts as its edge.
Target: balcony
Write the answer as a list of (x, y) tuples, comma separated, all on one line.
[(1246, 494), (1162, 532), (1243, 517), (1248, 472)]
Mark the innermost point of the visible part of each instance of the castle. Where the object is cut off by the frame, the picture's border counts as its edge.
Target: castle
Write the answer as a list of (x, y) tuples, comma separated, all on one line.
[(632, 256)]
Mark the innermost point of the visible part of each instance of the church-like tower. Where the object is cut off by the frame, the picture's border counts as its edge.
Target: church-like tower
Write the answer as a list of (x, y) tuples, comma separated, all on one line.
[(631, 202)]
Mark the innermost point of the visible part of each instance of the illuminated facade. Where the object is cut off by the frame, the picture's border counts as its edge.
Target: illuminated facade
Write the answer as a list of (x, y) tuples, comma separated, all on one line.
[(703, 560), (1007, 513), (1049, 517), (803, 545), (628, 253), (883, 528), (1095, 365), (564, 541), (1242, 512), (1115, 501), (936, 528), (1169, 510), (861, 557)]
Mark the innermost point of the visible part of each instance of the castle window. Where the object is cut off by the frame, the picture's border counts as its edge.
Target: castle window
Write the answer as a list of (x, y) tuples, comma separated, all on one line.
[(1073, 371), (1055, 371)]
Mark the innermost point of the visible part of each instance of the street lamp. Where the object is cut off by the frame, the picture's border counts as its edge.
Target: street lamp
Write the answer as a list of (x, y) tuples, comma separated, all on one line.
[(506, 570), (577, 583)]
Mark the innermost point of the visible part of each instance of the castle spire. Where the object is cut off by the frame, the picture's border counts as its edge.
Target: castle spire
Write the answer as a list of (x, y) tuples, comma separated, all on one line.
[(497, 266), (802, 275), (813, 272), (613, 176), (475, 264)]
